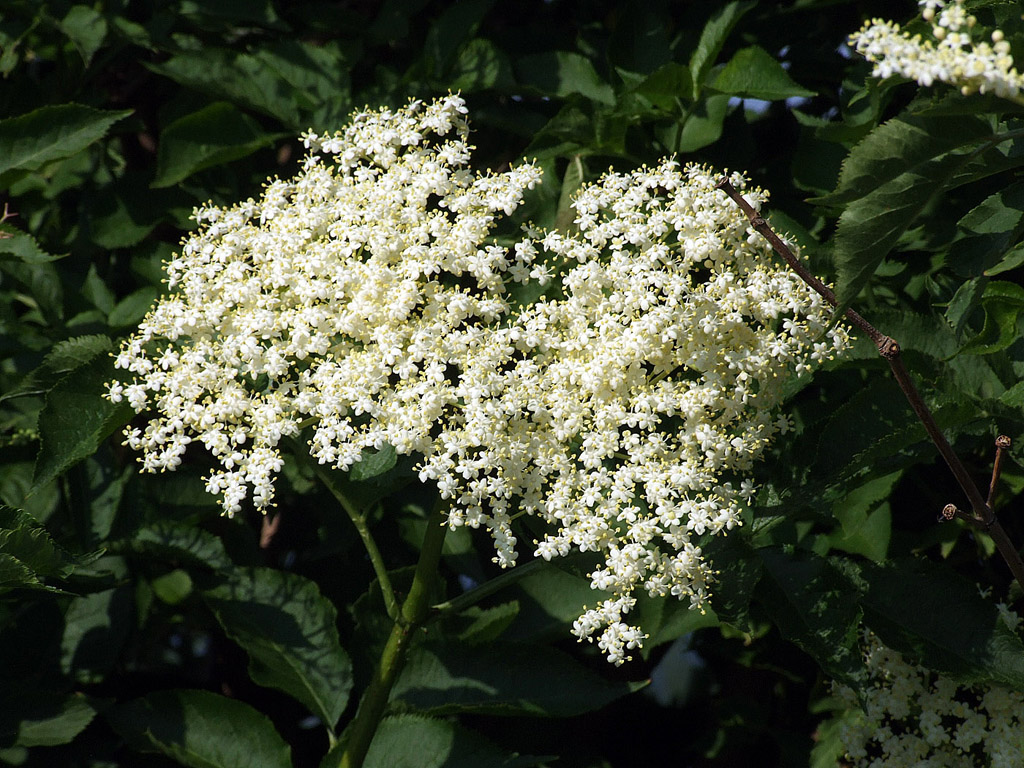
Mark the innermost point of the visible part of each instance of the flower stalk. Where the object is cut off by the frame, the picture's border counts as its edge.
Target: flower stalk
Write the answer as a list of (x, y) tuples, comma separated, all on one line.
[(414, 613)]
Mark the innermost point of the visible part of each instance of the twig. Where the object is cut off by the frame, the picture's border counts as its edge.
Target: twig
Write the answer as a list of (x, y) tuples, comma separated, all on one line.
[(981, 516), (268, 529), (1003, 444)]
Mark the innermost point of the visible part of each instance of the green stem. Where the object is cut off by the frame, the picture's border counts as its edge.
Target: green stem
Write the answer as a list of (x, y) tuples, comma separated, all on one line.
[(415, 611), (359, 521), (489, 587)]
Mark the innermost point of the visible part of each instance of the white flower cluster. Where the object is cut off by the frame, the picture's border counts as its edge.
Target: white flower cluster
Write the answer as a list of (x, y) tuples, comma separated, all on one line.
[(952, 56), (912, 717), (367, 300)]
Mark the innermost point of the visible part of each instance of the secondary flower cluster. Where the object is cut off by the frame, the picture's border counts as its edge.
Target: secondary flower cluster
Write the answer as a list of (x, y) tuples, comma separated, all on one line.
[(952, 55), (368, 301), (911, 717)]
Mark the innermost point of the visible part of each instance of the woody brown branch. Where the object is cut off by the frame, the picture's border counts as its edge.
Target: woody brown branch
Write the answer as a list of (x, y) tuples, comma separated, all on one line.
[(982, 515)]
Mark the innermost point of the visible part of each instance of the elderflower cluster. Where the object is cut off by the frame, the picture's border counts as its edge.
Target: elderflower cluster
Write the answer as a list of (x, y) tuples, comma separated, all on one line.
[(911, 717), (366, 302), (952, 55)]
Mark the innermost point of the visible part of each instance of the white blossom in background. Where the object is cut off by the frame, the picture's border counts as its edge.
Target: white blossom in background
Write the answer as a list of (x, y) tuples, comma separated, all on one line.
[(911, 717), (953, 54), (366, 300)]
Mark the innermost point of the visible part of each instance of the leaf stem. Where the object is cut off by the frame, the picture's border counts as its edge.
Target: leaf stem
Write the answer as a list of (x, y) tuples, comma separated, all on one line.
[(982, 516), (414, 613), (359, 521)]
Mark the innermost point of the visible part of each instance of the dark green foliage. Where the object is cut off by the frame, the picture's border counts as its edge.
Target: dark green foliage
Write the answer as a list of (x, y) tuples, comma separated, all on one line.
[(138, 625)]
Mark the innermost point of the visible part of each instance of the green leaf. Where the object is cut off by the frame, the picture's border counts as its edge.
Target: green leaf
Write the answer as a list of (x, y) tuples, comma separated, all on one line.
[(481, 65), (177, 541), (667, 86), (899, 145), (940, 620), (712, 38), (286, 79), (289, 631), (86, 28), (201, 729), (215, 135), (484, 625), (414, 741), (16, 245), (755, 74), (172, 588), (374, 463), (810, 603), (1012, 259), (29, 543), (880, 433), (502, 678), (550, 599), (42, 718), (64, 357), (562, 73), (133, 307), (866, 519), (14, 574), (75, 419), (95, 631), (453, 27), (565, 217), (739, 569), (703, 124), (987, 231), (1003, 303), (870, 226), (51, 133)]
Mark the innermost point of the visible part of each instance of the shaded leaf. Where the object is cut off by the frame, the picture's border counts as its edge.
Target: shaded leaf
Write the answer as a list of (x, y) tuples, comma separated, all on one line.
[(201, 729), (502, 678), (374, 463), (754, 73), (897, 146), (453, 27), (215, 135), (180, 542), (51, 133), (289, 631), (712, 38), (42, 718), (866, 519), (562, 73), (76, 418), (86, 28), (414, 741), (64, 357), (1003, 303), (703, 124), (95, 631), (987, 231), (16, 245), (666, 86), (810, 602), (481, 65), (133, 307), (940, 620), (870, 226)]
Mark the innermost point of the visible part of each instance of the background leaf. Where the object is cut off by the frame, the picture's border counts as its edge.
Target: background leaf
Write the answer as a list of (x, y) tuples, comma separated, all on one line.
[(201, 729), (288, 629)]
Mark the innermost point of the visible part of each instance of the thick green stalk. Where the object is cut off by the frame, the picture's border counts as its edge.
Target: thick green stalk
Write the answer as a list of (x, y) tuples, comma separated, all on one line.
[(415, 611)]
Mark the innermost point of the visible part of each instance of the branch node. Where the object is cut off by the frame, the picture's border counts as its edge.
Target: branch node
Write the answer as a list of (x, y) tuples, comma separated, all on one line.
[(888, 348)]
